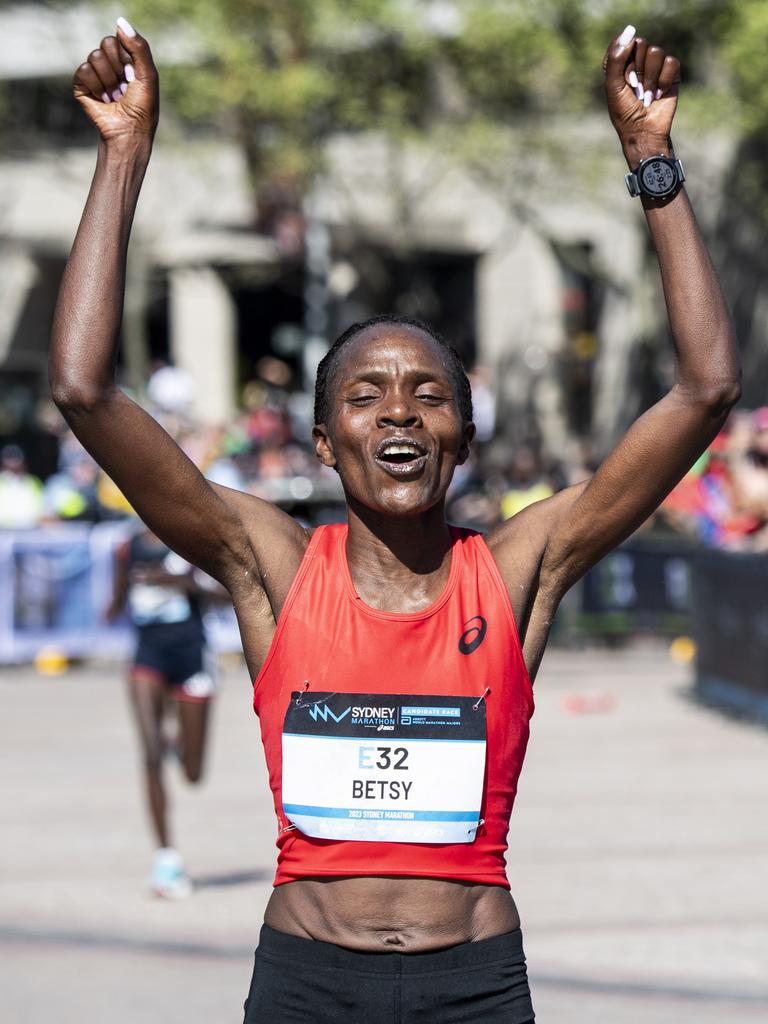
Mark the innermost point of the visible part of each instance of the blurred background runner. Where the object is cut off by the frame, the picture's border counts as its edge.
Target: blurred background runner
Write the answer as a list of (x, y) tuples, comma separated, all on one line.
[(171, 668)]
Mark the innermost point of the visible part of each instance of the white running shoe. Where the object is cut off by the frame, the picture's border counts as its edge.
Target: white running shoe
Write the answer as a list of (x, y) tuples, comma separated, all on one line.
[(169, 879)]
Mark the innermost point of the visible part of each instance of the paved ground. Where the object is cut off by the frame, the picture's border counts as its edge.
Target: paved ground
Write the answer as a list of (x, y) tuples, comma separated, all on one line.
[(638, 855)]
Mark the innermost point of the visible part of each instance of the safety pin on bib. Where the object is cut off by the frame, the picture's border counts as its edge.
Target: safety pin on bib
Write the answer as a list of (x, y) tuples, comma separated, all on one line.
[(476, 707), (304, 689), (476, 828)]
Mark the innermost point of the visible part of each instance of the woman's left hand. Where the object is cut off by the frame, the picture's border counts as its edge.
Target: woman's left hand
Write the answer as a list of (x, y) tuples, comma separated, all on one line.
[(641, 85)]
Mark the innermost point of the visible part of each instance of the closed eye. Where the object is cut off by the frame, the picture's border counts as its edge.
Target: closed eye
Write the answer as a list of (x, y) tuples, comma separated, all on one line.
[(361, 399)]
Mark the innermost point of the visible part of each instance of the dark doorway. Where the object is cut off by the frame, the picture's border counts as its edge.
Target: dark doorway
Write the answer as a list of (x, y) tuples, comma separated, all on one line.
[(435, 286)]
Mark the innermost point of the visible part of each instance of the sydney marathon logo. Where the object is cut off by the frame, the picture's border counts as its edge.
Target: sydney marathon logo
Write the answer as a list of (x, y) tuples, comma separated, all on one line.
[(370, 716)]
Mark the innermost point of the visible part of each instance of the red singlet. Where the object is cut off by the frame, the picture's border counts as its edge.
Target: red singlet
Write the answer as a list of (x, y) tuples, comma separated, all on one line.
[(328, 641)]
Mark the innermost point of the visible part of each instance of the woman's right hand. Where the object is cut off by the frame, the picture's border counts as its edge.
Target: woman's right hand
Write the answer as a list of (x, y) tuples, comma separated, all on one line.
[(118, 87)]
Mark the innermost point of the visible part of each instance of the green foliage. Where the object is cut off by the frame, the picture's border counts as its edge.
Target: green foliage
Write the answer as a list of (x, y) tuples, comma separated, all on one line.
[(746, 42), (283, 75)]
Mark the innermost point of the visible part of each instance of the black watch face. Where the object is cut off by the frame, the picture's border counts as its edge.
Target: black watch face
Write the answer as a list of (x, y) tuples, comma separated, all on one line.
[(657, 177)]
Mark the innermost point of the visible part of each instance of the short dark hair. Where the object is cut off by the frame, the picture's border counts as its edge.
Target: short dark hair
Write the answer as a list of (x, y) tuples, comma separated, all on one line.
[(328, 362)]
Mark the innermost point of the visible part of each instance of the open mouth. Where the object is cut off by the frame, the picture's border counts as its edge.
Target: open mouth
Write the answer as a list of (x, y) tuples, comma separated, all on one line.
[(401, 456)]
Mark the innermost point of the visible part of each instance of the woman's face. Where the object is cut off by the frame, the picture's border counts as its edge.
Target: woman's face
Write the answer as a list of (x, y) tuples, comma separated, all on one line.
[(395, 433)]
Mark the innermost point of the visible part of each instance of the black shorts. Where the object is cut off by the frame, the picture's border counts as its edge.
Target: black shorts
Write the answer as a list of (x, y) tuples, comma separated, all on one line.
[(300, 980), (176, 654)]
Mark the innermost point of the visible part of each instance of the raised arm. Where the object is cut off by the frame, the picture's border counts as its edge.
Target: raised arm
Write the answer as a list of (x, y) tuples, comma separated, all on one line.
[(565, 536), (223, 533)]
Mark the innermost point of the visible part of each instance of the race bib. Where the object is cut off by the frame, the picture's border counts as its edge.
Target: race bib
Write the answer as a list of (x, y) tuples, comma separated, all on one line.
[(378, 767)]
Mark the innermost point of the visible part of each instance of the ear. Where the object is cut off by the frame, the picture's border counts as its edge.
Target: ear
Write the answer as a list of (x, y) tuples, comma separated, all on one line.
[(323, 445), (466, 444)]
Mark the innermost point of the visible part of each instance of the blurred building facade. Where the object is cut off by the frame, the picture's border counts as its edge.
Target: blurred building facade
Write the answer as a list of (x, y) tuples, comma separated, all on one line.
[(545, 283)]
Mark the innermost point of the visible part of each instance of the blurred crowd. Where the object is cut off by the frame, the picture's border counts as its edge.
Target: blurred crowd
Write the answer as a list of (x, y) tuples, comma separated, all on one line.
[(266, 451), (723, 499)]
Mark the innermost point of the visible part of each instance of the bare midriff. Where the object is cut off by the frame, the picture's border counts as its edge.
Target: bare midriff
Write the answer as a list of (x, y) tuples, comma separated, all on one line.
[(391, 915)]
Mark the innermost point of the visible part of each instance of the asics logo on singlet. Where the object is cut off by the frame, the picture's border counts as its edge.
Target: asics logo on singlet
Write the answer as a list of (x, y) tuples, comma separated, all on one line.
[(325, 713), (471, 638)]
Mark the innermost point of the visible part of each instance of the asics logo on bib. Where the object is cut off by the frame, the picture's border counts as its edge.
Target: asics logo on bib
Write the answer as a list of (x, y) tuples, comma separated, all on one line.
[(471, 638)]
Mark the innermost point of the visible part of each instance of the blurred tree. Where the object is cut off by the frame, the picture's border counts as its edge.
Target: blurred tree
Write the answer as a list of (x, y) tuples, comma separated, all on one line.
[(743, 217), (491, 84), (281, 75)]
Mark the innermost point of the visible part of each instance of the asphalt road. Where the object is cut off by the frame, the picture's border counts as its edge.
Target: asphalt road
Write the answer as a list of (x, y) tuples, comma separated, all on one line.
[(638, 854)]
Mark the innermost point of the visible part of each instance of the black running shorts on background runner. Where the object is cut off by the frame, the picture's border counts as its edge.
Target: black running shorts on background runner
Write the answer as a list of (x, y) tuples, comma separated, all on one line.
[(301, 981), (176, 651)]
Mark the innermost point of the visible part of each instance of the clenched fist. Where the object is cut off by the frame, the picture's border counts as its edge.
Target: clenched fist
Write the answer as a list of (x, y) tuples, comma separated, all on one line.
[(118, 86), (641, 86)]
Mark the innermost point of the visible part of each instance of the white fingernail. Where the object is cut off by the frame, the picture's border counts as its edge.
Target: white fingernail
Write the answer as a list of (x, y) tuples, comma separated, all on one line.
[(130, 74), (647, 98), (127, 28), (659, 94), (123, 88), (633, 79), (116, 95), (627, 35), (105, 98), (639, 90)]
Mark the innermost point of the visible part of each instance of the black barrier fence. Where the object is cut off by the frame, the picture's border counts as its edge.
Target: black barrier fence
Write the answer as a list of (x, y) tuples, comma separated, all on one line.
[(731, 631), (642, 587), (59, 583)]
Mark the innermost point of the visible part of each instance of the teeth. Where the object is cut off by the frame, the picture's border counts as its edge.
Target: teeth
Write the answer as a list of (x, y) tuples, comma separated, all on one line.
[(400, 449)]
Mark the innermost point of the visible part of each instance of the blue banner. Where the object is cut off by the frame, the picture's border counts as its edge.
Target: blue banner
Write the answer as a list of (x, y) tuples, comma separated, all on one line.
[(59, 584)]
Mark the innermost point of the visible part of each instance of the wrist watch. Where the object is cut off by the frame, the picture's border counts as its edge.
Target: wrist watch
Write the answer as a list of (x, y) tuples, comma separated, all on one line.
[(657, 177)]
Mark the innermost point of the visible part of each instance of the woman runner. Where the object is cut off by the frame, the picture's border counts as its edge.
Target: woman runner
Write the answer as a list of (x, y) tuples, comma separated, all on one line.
[(392, 656), (163, 595)]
